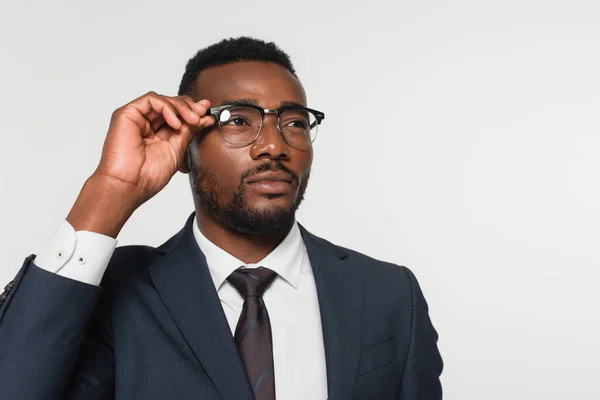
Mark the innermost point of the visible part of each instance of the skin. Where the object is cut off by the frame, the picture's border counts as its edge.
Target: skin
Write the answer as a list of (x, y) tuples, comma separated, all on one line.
[(270, 86), (147, 142)]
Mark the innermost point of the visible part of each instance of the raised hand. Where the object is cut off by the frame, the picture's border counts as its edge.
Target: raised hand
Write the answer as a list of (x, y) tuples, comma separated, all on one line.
[(144, 147)]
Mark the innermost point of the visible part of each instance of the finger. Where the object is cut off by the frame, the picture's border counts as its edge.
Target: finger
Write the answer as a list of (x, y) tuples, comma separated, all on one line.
[(188, 131), (182, 110), (185, 111), (166, 109), (152, 103), (155, 119), (158, 123), (201, 107), (143, 105), (207, 121), (204, 122)]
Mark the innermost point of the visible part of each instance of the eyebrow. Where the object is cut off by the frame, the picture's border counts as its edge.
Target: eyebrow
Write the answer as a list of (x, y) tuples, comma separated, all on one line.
[(240, 102), (291, 104), (254, 102)]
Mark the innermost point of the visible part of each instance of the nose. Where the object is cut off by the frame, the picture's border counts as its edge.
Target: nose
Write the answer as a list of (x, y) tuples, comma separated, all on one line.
[(270, 143)]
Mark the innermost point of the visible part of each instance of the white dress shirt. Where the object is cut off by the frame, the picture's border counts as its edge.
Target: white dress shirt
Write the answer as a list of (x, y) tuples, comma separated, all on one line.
[(291, 300)]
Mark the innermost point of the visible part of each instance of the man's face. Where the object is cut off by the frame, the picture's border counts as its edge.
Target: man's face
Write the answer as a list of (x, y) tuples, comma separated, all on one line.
[(223, 176)]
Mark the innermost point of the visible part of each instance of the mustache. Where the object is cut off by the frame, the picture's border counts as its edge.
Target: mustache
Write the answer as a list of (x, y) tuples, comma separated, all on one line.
[(269, 166)]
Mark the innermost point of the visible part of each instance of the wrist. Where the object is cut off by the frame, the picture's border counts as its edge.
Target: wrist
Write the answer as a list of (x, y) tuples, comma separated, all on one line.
[(103, 206)]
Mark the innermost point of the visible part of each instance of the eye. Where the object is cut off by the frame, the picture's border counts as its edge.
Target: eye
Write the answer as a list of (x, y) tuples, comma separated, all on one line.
[(227, 118), (297, 124), (239, 117), (237, 121)]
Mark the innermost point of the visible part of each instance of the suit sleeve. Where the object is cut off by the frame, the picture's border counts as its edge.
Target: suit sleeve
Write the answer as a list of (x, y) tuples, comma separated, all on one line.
[(421, 379), (54, 338)]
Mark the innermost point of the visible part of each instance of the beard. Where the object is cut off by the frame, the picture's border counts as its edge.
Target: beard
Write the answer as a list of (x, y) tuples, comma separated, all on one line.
[(237, 216)]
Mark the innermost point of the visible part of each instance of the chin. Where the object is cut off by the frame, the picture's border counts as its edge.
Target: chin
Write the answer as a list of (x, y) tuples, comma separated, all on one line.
[(271, 202), (272, 210), (263, 220)]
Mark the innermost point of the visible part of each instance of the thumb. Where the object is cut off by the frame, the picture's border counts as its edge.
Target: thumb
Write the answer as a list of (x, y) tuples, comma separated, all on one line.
[(204, 126)]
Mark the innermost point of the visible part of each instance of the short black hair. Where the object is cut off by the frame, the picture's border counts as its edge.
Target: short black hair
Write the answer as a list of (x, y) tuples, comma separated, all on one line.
[(228, 51)]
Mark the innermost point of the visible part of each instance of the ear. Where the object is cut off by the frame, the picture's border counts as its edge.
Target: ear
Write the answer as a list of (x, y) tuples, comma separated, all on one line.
[(184, 167)]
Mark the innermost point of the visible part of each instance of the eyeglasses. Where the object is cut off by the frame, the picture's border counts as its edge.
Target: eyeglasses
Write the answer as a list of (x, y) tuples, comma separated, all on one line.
[(240, 125)]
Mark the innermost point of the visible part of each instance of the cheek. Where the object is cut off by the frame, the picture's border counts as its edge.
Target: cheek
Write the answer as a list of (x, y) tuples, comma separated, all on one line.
[(304, 161), (222, 163)]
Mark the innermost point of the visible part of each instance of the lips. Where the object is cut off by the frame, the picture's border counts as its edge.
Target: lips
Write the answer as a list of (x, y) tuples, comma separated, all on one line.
[(271, 183), (270, 177)]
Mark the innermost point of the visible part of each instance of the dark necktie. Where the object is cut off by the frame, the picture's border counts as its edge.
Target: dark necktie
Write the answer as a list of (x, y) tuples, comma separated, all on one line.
[(253, 331)]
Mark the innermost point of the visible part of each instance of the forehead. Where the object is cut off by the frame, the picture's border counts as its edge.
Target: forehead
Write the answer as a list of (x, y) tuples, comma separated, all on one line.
[(268, 83)]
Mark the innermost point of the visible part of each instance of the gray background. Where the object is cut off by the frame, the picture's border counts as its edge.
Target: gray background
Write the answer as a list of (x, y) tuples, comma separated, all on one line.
[(461, 140)]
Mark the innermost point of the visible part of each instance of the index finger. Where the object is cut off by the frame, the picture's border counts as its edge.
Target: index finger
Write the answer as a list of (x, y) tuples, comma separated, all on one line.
[(201, 106)]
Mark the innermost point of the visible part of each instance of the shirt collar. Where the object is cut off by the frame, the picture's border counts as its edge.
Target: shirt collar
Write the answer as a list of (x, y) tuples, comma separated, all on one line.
[(286, 259)]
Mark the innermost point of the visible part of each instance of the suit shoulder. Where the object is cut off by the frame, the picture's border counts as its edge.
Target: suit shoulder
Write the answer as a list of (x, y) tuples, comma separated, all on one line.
[(384, 283), (370, 266), (375, 269)]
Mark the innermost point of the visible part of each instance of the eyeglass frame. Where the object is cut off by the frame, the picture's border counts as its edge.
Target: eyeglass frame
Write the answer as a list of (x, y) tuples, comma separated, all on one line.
[(217, 110)]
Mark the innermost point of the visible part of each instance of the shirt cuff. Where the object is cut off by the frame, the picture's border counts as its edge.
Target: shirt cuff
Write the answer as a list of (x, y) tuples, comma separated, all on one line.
[(81, 255)]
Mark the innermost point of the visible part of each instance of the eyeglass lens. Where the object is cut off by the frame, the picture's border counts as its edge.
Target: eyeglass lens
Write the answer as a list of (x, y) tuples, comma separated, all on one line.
[(240, 125)]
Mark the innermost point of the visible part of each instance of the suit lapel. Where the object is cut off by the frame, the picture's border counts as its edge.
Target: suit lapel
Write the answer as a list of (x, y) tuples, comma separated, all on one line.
[(184, 283), (339, 289)]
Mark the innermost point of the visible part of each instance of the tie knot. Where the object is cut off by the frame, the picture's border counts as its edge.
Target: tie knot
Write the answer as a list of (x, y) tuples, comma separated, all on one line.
[(252, 281)]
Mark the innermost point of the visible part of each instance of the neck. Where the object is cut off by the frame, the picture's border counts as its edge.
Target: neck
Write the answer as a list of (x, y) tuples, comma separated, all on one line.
[(248, 248)]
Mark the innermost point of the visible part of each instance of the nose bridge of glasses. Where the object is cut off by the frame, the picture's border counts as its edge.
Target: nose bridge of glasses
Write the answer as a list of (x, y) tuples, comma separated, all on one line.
[(271, 116)]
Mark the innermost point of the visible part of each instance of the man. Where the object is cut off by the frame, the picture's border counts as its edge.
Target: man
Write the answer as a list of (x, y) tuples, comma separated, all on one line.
[(243, 302)]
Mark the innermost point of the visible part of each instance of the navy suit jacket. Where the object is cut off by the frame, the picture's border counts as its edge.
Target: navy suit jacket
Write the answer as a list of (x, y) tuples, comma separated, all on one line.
[(155, 329)]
